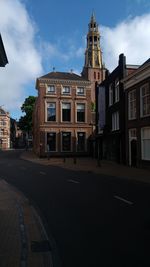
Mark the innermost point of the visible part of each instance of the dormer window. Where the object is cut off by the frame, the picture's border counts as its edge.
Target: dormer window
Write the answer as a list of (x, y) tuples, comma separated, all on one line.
[(51, 89), (66, 90)]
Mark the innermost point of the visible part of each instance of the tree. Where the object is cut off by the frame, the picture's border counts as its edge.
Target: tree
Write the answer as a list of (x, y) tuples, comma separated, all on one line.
[(25, 122)]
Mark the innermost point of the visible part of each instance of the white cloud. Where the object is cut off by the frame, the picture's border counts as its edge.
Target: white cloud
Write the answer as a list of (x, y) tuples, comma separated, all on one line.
[(131, 37), (18, 32)]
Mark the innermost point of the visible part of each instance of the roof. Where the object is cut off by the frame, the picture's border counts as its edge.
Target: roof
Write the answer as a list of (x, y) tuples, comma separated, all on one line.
[(147, 61), (3, 57), (63, 76)]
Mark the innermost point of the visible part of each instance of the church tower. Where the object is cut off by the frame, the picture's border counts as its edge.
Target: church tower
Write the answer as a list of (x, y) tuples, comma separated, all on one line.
[(93, 69)]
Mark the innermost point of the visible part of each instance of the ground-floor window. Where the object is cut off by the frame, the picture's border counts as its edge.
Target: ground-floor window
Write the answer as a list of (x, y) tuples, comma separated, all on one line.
[(145, 143), (51, 141), (80, 141), (66, 141)]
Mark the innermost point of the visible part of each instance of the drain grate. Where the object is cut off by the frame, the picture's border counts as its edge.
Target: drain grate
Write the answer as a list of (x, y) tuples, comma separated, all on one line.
[(40, 246)]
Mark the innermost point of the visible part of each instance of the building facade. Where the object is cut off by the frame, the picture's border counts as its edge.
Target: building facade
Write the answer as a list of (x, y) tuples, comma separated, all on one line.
[(137, 95), (4, 129), (62, 115), (111, 113)]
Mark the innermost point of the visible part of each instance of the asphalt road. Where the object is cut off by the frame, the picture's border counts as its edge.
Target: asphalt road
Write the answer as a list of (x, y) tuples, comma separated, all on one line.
[(93, 220)]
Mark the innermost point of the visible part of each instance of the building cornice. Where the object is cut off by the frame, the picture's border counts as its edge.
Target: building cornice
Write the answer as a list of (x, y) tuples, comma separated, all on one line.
[(42, 81), (139, 75)]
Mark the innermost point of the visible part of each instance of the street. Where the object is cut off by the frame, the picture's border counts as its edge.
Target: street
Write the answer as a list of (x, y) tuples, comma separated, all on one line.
[(92, 220)]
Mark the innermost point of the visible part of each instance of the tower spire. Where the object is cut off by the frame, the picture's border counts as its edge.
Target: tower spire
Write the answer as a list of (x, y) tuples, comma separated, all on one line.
[(93, 19), (93, 55), (93, 67)]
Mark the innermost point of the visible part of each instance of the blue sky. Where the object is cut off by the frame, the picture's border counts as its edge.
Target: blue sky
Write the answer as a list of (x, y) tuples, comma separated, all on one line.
[(39, 35)]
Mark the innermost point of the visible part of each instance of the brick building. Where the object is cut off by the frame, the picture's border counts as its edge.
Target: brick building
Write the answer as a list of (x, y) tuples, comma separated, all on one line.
[(62, 114), (4, 129), (137, 95)]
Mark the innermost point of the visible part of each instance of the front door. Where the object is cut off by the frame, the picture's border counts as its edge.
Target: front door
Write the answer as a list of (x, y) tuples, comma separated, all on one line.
[(134, 153)]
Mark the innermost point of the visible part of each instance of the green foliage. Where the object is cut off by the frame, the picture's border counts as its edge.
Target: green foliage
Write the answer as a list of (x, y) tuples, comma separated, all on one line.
[(25, 122)]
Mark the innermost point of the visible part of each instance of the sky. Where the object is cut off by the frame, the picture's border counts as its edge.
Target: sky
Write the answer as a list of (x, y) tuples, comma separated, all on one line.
[(41, 35)]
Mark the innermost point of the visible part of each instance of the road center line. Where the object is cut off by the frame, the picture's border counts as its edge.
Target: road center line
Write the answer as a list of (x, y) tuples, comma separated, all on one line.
[(73, 181), (124, 200)]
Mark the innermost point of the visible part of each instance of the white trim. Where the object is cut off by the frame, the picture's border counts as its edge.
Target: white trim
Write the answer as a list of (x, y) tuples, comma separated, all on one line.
[(130, 139), (46, 150), (85, 112), (71, 145), (85, 142), (142, 138), (141, 100)]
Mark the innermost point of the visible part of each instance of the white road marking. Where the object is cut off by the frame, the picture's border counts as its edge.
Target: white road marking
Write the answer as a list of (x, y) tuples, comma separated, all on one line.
[(43, 173), (73, 181), (124, 200)]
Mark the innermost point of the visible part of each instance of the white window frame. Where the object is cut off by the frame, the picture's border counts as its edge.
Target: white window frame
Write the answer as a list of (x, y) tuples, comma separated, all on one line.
[(46, 146), (66, 90), (131, 104), (85, 141), (47, 103), (142, 98), (78, 103), (62, 112), (71, 145), (143, 157), (115, 121), (52, 89), (132, 136), (117, 91), (78, 91)]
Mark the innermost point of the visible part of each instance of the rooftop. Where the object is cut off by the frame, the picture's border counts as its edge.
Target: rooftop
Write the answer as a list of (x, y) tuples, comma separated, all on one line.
[(63, 76)]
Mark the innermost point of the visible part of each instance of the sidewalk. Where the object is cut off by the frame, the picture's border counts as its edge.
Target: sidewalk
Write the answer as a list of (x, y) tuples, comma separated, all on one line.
[(91, 165), (23, 239)]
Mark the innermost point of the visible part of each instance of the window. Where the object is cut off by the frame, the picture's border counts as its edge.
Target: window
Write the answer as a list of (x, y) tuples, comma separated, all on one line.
[(81, 142), (66, 90), (115, 121), (117, 91), (51, 141), (2, 123), (80, 112), (132, 133), (98, 75), (132, 105), (110, 94), (51, 111), (145, 143), (66, 111), (66, 141), (145, 100), (80, 90), (51, 89), (94, 75)]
